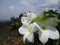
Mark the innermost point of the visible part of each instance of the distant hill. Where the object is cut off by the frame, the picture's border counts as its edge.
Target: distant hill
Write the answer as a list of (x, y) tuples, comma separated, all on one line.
[(3, 21)]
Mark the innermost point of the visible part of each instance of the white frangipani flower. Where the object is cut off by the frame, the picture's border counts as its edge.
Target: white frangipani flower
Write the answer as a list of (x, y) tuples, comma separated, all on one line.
[(24, 20), (48, 22), (27, 31), (47, 32), (28, 19), (30, 16)]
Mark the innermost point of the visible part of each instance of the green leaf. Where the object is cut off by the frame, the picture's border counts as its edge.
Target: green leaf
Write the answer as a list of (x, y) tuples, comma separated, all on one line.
[(58, 20), (55, 42), (59, 41), (41, 17)]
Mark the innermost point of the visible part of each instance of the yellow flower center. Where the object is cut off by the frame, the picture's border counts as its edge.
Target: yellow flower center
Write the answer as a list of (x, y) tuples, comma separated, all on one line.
[(29, 30), (44, 27)]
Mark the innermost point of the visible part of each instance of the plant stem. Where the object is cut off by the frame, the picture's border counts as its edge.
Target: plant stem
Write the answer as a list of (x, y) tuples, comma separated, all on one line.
[(50, 42)]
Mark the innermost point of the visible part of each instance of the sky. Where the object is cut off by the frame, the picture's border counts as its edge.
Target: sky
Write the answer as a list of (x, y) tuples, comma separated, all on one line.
[(9, 8)]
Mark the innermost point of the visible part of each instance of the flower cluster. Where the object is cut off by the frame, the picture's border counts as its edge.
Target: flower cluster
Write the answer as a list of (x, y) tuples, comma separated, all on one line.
[(43, 23)]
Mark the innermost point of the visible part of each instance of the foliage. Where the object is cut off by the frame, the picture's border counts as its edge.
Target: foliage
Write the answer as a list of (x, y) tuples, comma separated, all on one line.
[(16, 22)]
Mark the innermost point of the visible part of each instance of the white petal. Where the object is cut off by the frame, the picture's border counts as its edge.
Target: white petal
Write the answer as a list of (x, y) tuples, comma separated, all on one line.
[(33, 15), (52, 21), (43, 37), (24, 20), (30, 37), (38, 26), (30, 16), (33, 27), (53, 33), (48, 22), (22, 29), (24, 38)]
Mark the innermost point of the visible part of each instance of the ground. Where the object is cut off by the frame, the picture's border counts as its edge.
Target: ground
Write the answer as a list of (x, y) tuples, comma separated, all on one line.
[(9, 36)]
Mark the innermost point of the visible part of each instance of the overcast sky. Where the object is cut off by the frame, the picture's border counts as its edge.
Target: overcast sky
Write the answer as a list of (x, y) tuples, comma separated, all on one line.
[(10, 8)]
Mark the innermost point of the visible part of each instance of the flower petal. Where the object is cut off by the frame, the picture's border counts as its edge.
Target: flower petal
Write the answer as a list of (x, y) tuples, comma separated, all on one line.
[(43, 37), (48, 22), (24, 20), (38, 27), (33, 27), (30, 37), (24, 38), (22, 29), (53, 33), (30, 16), (51, 21)]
